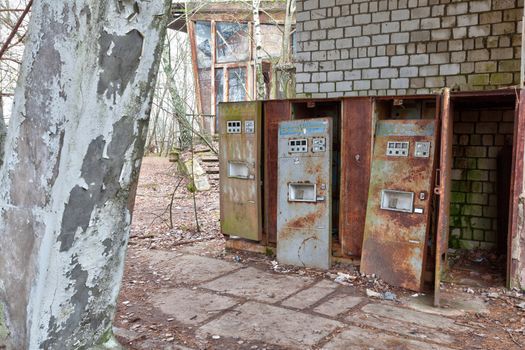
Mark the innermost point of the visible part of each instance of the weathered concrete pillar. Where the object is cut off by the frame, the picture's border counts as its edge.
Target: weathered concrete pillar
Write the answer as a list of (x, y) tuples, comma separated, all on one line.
[(73, 153)]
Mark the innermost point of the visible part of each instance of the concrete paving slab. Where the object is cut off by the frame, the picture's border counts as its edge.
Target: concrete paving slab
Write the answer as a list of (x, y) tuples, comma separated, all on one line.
[(358, 338), (271, 324), (151, 344), (252, 283), (456, 304), (410, 330), (338, 305), (190, 306), (310, 296), (196, 269), (412, 316)]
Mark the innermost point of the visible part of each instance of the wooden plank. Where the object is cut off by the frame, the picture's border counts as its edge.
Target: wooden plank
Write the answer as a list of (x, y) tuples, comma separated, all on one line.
[(274, 112), (193, 48), (212, 82), (356, 147)]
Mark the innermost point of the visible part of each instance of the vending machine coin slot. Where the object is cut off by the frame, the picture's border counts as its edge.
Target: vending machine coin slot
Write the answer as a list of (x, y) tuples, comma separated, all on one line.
[(422, 150), (249, 126), (319, 145)]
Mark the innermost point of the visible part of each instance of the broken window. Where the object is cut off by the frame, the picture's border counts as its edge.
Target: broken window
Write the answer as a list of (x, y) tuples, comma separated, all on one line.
[(219, 87), (203, 43), (272, 40), (205, 89), (232, 42), (204, 63), (237, 84)]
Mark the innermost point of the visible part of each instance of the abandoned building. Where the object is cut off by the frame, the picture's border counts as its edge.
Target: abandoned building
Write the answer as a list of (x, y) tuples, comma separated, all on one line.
[(406, 140), (223, 50)]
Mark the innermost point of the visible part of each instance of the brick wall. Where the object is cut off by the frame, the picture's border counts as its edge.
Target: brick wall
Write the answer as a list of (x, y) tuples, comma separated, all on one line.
[(478, 139), (396, 47)]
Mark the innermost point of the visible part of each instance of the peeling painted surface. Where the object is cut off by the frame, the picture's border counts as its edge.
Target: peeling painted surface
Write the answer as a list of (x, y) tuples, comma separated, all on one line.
[(74, 146), (241, 197), (119, 58)]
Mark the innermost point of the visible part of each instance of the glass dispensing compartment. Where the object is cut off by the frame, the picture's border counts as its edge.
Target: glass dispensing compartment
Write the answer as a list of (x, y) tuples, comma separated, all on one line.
[(302, 192), (238, 170), (397, 201)]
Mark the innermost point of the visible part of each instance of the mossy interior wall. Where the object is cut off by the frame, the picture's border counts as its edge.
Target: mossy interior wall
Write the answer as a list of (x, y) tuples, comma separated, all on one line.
[(482, 141)]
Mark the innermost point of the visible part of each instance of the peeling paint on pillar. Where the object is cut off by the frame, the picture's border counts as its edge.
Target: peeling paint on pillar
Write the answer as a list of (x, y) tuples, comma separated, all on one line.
[(75, 142)]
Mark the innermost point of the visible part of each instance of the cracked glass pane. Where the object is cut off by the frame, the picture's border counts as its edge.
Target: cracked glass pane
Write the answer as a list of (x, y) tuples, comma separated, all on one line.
[(203, 43), (205, 89), (272, 40), (237, 84), (219, 87)]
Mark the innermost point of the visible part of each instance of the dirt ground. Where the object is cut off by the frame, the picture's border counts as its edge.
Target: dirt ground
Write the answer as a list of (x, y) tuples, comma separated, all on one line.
[(140, 324)]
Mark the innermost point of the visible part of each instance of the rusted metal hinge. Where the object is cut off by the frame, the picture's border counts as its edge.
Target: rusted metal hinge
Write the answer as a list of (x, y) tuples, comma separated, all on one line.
[(437, 182)]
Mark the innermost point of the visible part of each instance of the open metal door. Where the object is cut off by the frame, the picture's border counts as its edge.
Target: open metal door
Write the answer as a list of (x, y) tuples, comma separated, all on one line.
[(515, 273), (240, 159), (443, 191)]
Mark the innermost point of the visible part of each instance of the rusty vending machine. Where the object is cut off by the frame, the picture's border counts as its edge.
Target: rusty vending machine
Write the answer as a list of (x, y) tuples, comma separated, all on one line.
[(396, 236), (304, 227), (240, 162)]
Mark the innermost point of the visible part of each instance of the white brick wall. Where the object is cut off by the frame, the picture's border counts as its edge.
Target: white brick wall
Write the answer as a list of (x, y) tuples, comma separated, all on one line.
[(361, 47)]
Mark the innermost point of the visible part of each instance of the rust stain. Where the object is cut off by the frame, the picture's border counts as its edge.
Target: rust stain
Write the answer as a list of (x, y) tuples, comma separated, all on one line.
[(306, 221)]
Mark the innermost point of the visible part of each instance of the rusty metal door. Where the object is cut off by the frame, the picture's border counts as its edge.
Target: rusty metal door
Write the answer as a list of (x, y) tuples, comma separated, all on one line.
[(274, 112), (356, 152), (240, 175), (515, 275), (304, 217), (443, 190), (398, 212)]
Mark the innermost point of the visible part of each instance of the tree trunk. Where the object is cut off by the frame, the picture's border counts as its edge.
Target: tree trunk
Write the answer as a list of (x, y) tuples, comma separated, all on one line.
[(3, 131), (67, 186), (260, 87), (283, 85)]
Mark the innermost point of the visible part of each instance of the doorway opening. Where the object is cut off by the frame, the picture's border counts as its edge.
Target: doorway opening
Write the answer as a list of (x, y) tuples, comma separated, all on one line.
[(481, 175), (327, 109)]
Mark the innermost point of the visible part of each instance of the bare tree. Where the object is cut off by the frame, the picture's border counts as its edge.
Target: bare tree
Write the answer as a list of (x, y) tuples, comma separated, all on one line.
[(13, 28), (260, 88), (284, 83), (75, 142)]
